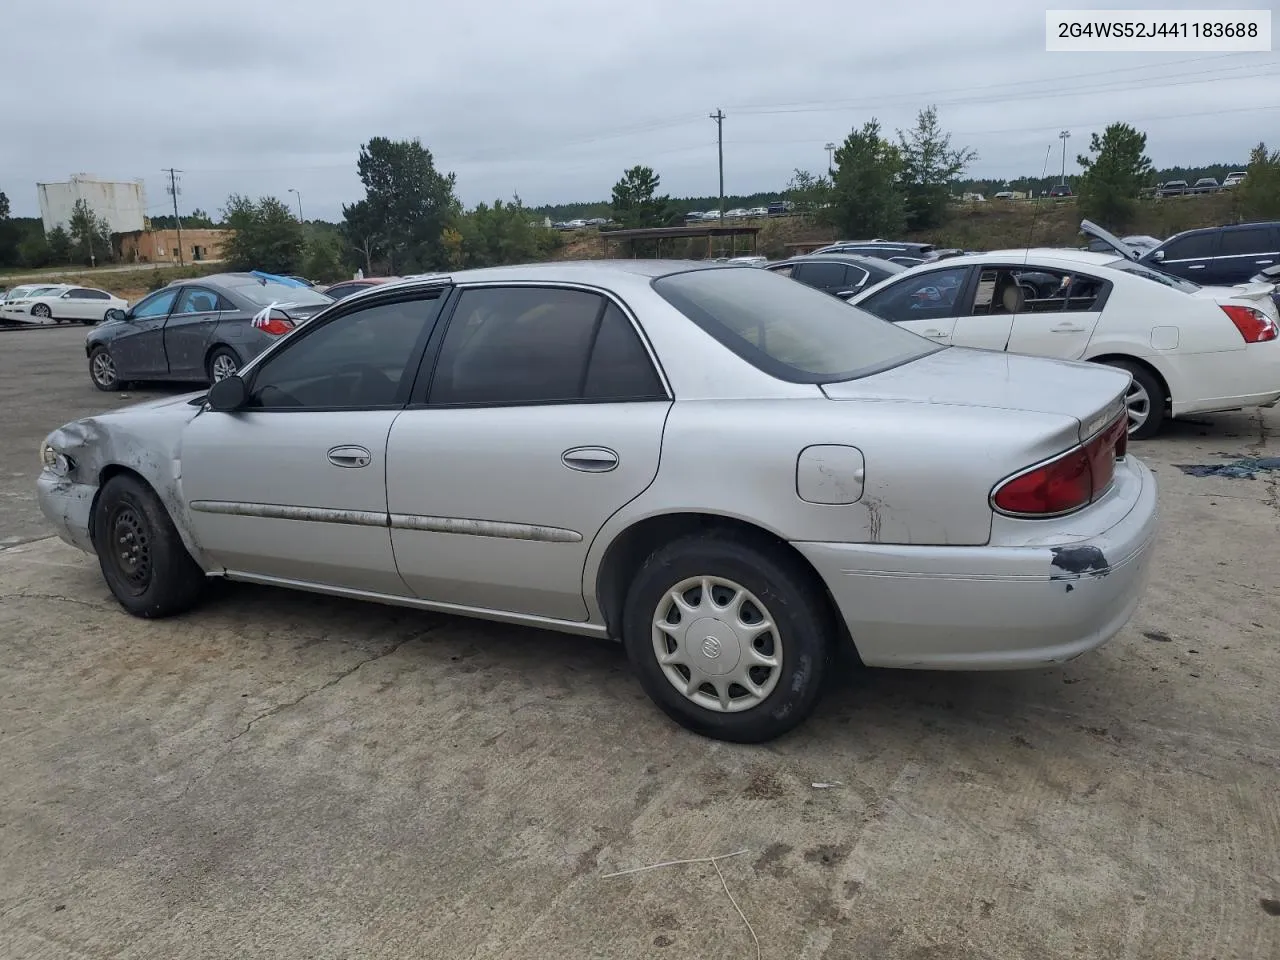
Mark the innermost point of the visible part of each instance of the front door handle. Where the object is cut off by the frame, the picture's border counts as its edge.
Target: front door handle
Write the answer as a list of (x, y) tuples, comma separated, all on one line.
[(350, 456), (590, 459), (1262, 261), (936, 334), (1068, 328), (1196, 266)]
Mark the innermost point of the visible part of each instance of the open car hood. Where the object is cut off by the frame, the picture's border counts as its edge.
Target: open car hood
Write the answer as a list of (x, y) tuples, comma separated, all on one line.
[(1091, 229)]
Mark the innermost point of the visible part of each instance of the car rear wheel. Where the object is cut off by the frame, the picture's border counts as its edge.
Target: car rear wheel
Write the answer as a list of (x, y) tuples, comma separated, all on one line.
[(223, 363), (142, 557), (1145, 401), (102, 370), (729, 638)]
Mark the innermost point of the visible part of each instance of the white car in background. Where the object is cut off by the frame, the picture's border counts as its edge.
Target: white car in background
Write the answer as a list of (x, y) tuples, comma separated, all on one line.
[(61, 303), (1189, 349)]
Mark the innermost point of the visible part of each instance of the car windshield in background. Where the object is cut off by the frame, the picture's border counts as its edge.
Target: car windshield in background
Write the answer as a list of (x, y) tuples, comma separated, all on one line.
[(265, 294), (788, 330), (1137, 269)]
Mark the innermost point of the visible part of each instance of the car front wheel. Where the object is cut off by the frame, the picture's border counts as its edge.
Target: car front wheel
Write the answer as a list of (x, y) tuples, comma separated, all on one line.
[(142, 557), (731, 639), (102, 370)]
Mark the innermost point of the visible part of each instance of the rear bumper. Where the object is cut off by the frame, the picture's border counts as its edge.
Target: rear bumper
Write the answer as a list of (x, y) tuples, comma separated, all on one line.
[(994, 607)]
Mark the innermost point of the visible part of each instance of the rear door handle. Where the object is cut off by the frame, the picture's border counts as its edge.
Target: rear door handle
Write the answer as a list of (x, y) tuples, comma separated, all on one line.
[(1262, 261), (350, 456), (937, 334), (590, 459), (1068, 328), (1196, 266)]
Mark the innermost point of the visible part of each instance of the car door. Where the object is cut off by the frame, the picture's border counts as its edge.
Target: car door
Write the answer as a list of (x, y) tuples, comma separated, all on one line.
[(97, 303), (292, 488), (543, 417), (1057, 312), (138, 351), (189, 329), (1188, 257), (927, 303), (74, 304), (1245, 251), (825, 275)]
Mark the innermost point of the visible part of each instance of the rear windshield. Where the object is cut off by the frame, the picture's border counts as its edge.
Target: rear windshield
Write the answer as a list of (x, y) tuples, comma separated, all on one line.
[(265, 294), (789, 330), (1137, 269)]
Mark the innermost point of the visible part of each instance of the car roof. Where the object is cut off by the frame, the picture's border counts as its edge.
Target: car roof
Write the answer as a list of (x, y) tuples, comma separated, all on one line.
[(1225, 226), (1064, 255), (861, 259), (573, 270)]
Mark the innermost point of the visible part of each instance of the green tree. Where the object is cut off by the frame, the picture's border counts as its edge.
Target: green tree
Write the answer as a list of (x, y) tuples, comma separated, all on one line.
[(929, 166), (866, 196), (635, 201), (34, 250), (362, 235), (324, 264), (84, 230), (265, 235), (1114, 176), (1259, 195), (496, 235), (61, 247), (408, 202), (4, 206), (808, 193)]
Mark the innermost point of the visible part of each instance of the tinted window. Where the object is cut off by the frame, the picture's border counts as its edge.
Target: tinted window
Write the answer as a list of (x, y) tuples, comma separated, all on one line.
[(516, 345), (825, 275), (78, 294), (620, 368), (925, 296), (355, 361), (1193, 247), (156, 305), (784, 271), (96, 294), (197, 300), (343, 290), (264, 293), (788, 330), (1246, 240), (854, 277)]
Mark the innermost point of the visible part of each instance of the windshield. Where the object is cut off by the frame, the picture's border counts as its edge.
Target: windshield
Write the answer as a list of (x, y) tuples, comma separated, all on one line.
[(789, 330), (265, 294), (1137, 269)]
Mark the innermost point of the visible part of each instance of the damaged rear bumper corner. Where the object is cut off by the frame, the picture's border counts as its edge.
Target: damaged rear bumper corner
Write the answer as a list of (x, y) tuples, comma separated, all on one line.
[(994, 607), (68, 506)]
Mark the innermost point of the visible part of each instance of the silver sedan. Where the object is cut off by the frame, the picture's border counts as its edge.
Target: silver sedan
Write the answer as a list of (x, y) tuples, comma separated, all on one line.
[(732, 473)]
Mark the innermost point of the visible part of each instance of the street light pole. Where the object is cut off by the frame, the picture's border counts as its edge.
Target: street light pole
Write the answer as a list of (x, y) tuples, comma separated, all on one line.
[(299, 196), (831, 158), (1064, 136)]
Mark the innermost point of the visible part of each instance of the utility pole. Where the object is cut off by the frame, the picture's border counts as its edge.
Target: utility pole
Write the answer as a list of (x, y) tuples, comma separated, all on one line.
[(173, 192), (1064, 136), (718, 117), (299, 194), (831, 158)]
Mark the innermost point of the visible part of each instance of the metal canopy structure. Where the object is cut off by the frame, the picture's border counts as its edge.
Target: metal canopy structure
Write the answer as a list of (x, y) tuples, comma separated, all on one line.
[(659, 234)]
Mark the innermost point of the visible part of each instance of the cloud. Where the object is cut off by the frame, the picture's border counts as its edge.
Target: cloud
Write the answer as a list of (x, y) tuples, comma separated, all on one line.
[(554, 99)]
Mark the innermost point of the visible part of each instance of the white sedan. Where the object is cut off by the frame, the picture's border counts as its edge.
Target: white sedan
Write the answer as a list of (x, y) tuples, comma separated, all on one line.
[(61, 303), (1190, 349)]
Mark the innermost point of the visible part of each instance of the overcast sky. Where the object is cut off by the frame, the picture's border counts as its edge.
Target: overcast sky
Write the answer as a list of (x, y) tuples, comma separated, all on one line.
[(554, 99)]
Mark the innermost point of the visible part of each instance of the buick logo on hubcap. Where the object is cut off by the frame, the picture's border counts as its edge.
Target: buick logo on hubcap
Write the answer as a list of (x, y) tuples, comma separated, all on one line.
[(710, 647)]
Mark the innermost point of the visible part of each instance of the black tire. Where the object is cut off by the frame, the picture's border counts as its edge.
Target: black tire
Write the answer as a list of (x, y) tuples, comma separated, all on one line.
[(42, 311), (142, 558), (103, 372), (225, 353), (800, 611), (1157, 396)]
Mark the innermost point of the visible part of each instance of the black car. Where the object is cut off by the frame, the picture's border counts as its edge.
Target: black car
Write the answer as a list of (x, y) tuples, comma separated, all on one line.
[(1209, 256), (841, 275), (1061, 190), (902, 252), (200, 330)]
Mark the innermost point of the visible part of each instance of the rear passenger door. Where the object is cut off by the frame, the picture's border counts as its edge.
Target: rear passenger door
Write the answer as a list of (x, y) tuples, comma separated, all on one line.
[(540, 416), (925, 303), (1056, 313), (189, 331)]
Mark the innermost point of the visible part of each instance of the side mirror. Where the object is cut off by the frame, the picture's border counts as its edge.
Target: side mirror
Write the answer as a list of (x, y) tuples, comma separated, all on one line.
[(1158, 255), (115, 313), (228, 394)]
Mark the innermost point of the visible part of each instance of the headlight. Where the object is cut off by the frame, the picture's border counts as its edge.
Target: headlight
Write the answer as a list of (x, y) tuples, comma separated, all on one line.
[(53, 461)]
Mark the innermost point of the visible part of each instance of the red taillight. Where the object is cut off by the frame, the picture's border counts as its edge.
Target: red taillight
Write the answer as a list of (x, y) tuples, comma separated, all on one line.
[(1073, 480), (1254, 325), (274, 325)]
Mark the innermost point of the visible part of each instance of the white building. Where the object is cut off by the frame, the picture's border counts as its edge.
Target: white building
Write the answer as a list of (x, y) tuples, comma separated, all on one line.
[(122, 204)]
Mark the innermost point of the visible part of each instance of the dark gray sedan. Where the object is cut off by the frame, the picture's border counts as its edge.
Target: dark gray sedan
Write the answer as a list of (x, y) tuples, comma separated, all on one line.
[(201, 330)]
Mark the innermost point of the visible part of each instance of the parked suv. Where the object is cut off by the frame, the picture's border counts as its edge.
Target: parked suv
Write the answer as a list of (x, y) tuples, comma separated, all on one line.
[(1211, 256)]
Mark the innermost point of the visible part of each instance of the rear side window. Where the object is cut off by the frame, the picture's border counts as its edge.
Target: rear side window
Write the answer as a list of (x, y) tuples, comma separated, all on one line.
[(824, 275), (1247, 240), (789, 330), (925, 296), (527, 345)]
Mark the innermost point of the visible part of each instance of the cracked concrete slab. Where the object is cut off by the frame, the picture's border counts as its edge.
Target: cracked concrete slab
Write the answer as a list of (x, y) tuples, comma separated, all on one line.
[(283, 775)]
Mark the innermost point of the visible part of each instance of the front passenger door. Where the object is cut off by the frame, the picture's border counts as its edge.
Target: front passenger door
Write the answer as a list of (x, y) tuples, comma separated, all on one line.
[(292, 488)]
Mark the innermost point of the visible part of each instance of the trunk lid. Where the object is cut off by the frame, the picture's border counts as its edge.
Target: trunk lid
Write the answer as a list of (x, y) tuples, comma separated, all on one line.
[(1090, 394), (1091, 229)]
